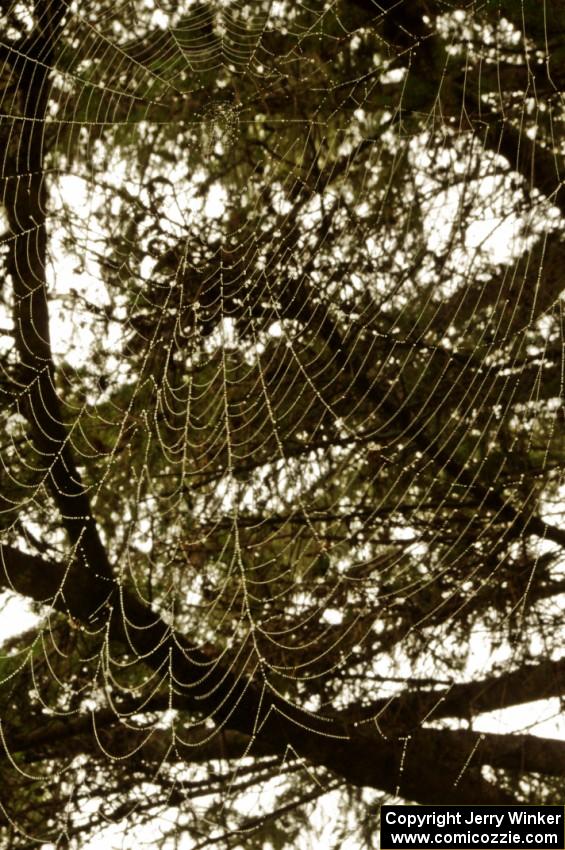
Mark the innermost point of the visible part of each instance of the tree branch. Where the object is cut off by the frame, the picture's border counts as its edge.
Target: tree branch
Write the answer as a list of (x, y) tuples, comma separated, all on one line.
[(241, 704), (25, 201), (407, 711)]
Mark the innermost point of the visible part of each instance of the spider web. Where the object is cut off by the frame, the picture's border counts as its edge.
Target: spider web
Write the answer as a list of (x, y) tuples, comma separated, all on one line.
[(282, 371)]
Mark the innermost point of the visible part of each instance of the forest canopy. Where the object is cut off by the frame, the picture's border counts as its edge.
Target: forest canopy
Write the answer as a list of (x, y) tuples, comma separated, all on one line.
[(282, 376)]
